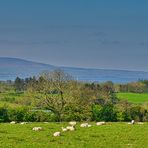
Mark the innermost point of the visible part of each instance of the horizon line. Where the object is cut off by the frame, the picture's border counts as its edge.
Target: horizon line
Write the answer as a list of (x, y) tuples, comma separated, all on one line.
[(61, 66)]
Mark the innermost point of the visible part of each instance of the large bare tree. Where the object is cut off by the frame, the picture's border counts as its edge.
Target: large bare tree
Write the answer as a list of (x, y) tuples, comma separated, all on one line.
[(55, 88)]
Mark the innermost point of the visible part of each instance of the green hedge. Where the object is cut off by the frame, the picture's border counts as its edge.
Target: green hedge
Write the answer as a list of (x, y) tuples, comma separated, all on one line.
[(107, 112)]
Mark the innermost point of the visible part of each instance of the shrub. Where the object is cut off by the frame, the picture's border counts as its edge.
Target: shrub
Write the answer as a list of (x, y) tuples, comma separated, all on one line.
[(96, 112), (4, 114), (17, 114), (137, 113), (108, 113)]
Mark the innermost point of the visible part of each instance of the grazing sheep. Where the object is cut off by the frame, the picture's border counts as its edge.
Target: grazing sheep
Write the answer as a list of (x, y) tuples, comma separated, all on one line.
[(73, 123), (141, 123), (84, 125), (89, 125), (37, 128), (70, 128), (56, 134), (12, 122), (133, 122), (100, 123), (129, 123), (46, 122), (23, 123), (64, 129)]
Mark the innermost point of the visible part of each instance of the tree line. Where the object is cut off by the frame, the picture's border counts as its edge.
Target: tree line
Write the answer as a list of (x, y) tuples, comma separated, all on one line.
[(66, 99)]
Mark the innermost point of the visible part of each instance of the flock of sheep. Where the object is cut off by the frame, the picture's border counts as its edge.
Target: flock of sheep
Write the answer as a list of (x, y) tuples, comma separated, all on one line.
[(71, 126)]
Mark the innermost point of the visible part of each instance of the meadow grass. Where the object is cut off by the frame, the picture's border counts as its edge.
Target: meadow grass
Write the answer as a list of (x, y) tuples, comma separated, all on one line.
[(10, 98), (133, 97), (111, 135)]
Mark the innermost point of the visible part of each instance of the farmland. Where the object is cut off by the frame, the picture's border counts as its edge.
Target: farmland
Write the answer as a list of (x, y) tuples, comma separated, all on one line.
[(133, 97), (14, 99), (109, 135)]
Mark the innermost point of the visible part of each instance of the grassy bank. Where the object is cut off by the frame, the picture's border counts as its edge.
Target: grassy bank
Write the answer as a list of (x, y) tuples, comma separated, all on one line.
[(133, 97), (111, 135)]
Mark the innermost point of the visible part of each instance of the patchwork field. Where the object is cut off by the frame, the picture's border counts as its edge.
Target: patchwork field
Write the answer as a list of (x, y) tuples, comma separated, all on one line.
[(115, 135), (133, 97)]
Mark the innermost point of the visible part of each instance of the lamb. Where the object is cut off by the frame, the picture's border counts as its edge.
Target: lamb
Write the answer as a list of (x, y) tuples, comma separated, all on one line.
[(37, 128), (64, 129), (23, 123), (70, 128), (132, 122), (100, 123), (56, 134), (12, 122), (84, 125), (73, 123), (89, 125), (129, 123), (141, 123)]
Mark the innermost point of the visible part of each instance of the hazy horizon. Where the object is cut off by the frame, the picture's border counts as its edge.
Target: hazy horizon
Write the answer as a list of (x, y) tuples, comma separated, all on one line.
[(86, 34), (71, 66)]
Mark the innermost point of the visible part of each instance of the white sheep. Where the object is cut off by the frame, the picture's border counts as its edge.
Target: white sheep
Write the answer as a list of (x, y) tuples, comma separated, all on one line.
[(100, 123), (72, 123), (70, 128), (12, 122), (64, 129), (56, 134), (23, 123), (133, 122), (89, 125), (129, 123), (141, 123), (37, 128), (84, 125)]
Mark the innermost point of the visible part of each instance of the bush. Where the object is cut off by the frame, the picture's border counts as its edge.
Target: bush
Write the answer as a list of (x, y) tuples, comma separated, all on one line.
[(104, 113), (40, 116), (4, 114), (96, 112), (108, 113), (76, 113), (138, 113), (120, 116), (17, 114)]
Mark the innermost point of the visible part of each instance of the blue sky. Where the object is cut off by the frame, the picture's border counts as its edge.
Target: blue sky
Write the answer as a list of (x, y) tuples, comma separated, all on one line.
[(108, 34)]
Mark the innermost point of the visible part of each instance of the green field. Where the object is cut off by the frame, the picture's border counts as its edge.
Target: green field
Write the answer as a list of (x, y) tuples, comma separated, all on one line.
[(115, 135), (9, 98), (133, 97)]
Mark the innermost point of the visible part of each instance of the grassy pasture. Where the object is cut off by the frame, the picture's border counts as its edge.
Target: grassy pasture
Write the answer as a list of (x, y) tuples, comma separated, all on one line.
[(9, 98), (116, 135), (133, 97)]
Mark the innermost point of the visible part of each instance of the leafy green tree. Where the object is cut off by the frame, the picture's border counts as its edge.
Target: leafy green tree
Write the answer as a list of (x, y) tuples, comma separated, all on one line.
[(96, 112), (51, 88), (19, 84), (108, 113)]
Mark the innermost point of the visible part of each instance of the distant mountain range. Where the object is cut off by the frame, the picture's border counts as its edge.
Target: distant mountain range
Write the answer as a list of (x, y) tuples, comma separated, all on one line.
[(10, 68)]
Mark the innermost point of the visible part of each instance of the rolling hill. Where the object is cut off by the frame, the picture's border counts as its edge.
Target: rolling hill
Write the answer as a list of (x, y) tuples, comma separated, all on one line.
[(10, 68)]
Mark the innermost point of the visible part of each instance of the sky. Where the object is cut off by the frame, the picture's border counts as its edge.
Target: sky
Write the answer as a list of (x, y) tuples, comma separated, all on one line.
[(106, 34)]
